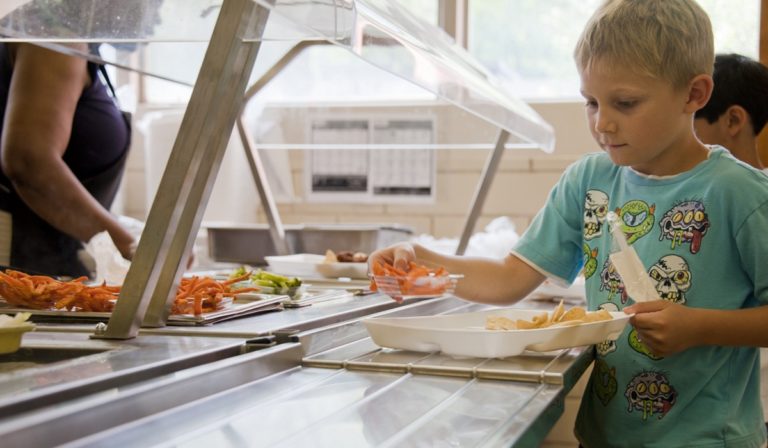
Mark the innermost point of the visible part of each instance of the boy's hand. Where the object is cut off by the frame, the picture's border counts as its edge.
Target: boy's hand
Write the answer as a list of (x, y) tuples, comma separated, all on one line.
[(664, 327), (398, 255)]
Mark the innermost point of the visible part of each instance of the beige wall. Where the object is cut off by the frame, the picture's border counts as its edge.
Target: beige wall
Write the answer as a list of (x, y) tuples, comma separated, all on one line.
[(518, 191)]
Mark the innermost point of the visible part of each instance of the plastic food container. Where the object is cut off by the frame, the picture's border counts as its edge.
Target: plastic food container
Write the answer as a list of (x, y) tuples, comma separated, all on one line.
[(343, 269), (420, 287), (10, 336), (464, 334), (296, 265)]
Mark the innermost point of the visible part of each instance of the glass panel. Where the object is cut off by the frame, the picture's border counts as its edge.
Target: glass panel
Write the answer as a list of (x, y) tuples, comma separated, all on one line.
[(381, 32), (426, 9), (110, 20)]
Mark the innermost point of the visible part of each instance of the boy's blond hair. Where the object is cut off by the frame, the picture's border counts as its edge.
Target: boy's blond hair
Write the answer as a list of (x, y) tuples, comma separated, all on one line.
[(665, 39)]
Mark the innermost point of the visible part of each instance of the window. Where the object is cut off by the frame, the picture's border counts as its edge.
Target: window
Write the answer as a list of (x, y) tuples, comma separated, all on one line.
[(528, 44)]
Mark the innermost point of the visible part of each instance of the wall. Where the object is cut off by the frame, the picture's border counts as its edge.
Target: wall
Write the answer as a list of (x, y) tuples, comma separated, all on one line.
[(518, 191)]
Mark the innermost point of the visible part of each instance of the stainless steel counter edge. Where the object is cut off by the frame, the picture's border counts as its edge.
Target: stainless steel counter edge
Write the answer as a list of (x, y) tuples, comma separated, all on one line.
[(93, 413)]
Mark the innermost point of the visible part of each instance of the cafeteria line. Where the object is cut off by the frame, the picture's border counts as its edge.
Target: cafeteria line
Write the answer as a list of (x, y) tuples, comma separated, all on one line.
[(228, 299)]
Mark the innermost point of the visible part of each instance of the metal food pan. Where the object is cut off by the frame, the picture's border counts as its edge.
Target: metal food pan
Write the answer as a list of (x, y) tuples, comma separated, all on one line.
[(250, 243)]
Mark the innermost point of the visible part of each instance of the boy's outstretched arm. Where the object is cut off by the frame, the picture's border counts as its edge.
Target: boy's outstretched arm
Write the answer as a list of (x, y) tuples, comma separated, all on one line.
[(486, 280), (667, 328)]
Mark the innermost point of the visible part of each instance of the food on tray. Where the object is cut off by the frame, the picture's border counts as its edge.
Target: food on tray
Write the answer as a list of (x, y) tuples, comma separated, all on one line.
[(345, 257), (558, 318), (198, 295), (418, 280), (271, 283), (41, 292)]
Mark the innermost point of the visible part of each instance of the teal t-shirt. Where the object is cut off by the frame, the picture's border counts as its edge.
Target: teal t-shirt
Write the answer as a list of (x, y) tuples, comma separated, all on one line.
[(703, 237)]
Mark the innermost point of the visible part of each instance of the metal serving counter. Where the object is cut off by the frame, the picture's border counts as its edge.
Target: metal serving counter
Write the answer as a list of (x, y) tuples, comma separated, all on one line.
[(256, 381), (306, 376)]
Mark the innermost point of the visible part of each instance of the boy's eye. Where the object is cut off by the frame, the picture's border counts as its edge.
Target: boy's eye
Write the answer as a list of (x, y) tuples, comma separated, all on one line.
[(626, 104), (590, 104)]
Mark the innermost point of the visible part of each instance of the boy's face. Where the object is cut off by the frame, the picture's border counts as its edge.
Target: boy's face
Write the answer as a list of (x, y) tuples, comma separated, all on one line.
[(640, 121)]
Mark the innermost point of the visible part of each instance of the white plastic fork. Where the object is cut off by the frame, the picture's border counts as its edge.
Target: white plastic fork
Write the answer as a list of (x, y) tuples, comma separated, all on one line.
[(637, 283)]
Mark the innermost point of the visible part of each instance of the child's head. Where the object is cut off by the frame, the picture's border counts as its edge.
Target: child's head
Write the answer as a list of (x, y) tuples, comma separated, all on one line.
[(645, 70), (665, 39), (739, 81)]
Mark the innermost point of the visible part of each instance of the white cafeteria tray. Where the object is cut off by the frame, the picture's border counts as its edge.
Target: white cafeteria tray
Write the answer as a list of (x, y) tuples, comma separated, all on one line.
[(343, 269), (464, 334), (296, 265)]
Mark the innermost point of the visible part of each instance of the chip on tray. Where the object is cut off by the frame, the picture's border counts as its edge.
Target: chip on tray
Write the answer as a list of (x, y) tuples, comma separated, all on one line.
[(558, 318)]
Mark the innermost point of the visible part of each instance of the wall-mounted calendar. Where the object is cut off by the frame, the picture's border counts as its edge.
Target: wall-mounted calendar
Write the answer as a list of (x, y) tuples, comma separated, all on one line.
[(371, 160)]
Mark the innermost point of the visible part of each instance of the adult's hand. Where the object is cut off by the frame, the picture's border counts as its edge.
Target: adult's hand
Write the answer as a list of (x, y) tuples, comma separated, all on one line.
[(124, 241)]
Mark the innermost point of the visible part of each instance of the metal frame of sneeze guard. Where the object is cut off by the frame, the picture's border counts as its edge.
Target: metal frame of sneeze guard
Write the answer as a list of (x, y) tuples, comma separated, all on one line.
[(189, 177), (218, 99)]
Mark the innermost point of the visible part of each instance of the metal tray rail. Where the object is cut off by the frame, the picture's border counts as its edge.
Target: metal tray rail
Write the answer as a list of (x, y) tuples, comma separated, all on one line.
[(549, 367), (347, 346)]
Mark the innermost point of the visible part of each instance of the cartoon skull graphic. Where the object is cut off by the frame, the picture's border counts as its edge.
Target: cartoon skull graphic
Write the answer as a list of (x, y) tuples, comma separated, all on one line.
[(595, 211), (607, 346), (651, 393), (672, 277), (687, 222), (610, 280)]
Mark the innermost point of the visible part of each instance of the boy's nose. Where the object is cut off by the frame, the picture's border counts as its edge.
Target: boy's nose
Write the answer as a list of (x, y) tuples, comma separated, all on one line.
[(604, 125)]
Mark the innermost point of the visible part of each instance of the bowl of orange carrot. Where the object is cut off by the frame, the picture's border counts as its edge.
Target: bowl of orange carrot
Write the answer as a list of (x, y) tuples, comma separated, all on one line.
[(417, 282)]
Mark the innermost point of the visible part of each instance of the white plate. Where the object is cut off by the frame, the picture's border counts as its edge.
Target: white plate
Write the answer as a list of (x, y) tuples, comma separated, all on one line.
[(297, 265), (465, 334), (336, 270)]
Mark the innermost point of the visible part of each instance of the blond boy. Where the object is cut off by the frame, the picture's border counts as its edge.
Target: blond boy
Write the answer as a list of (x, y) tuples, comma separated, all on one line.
[(685, 373)]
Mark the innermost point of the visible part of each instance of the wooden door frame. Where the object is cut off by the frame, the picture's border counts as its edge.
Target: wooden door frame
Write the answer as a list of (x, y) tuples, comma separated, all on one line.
[(762, 140)]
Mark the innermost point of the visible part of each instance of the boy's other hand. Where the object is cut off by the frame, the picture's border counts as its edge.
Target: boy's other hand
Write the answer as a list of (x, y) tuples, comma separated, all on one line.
[(398, 255), (664, 327)]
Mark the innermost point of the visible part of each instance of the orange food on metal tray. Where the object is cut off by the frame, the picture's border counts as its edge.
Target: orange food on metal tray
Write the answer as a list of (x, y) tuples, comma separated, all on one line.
[(196, 295), (41, 292)]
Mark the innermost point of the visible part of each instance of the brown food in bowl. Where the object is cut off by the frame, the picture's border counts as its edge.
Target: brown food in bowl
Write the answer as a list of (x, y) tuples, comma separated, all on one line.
[(345, 256)]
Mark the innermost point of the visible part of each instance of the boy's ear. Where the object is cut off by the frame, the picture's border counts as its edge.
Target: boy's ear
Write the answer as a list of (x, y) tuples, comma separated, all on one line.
[(736, 119), (699, 91)]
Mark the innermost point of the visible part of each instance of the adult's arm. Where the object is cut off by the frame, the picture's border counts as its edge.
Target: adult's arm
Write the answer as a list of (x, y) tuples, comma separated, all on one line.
[(44, 92)]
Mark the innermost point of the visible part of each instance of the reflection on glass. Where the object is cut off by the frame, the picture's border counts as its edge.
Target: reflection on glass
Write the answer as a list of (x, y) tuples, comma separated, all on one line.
[(380, 32)]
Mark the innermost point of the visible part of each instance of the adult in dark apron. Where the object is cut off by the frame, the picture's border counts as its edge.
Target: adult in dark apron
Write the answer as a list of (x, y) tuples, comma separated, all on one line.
[(95, 153)]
